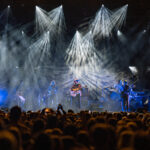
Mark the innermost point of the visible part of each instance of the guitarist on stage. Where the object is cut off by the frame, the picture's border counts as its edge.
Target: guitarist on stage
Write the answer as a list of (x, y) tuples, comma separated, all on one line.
[(76, 93), (124, 96)]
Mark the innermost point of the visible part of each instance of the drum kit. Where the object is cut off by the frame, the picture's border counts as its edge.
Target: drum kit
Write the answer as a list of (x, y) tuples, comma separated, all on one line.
[(139, 99)]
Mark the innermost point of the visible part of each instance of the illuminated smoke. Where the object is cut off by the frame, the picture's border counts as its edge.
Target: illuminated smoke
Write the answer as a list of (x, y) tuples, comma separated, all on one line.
[(106, 20), (52, 21), (118, 17), (101, 26), (96, 58)]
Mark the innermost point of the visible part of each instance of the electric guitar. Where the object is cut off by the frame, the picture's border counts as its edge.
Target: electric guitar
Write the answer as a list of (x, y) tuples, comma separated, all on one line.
[(75, 91)]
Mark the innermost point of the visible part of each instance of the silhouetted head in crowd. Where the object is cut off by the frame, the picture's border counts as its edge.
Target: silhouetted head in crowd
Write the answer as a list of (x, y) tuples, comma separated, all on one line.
[(125, 140), (52, 121), (68, 142), (141, 141), (57, 131), (79, 147), (70, 130), (83, 138), (100, 136), (15, 131), (38, 125), (43, 142), (57, 142), (70, 111), (15, 113), (112, 122), (7, 141)]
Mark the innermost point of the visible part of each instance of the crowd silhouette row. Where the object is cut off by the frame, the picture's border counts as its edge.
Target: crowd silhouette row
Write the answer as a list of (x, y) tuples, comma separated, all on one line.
[(61, 130)]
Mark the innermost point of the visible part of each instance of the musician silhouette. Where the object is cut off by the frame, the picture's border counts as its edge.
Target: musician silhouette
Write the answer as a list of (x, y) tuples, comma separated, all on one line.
[(124, 96), (51, 94)]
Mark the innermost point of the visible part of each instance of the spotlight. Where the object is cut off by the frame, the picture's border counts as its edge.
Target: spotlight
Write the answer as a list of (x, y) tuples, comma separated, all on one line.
[(144, 31), (133, 69), (37, 8), (53, 21), (8, 6), (119, 33), (148, 69), (102, 5)]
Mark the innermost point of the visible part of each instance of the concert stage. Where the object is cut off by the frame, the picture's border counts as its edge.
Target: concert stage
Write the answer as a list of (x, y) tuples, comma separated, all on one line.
[(97, 50)]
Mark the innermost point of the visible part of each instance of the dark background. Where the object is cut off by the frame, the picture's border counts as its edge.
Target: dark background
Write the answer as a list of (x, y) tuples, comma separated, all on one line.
[(76, 11)]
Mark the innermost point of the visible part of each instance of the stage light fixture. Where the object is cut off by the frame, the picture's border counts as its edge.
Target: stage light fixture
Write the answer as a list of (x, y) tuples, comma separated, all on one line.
[(133, 69), (119, 33)]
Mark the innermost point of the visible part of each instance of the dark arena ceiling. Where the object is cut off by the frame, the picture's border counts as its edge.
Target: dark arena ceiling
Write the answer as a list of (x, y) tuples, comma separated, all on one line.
[(76, 11)]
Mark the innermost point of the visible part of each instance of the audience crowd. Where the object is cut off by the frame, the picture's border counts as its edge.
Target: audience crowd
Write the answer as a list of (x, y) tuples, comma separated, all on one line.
[(60, 130)]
